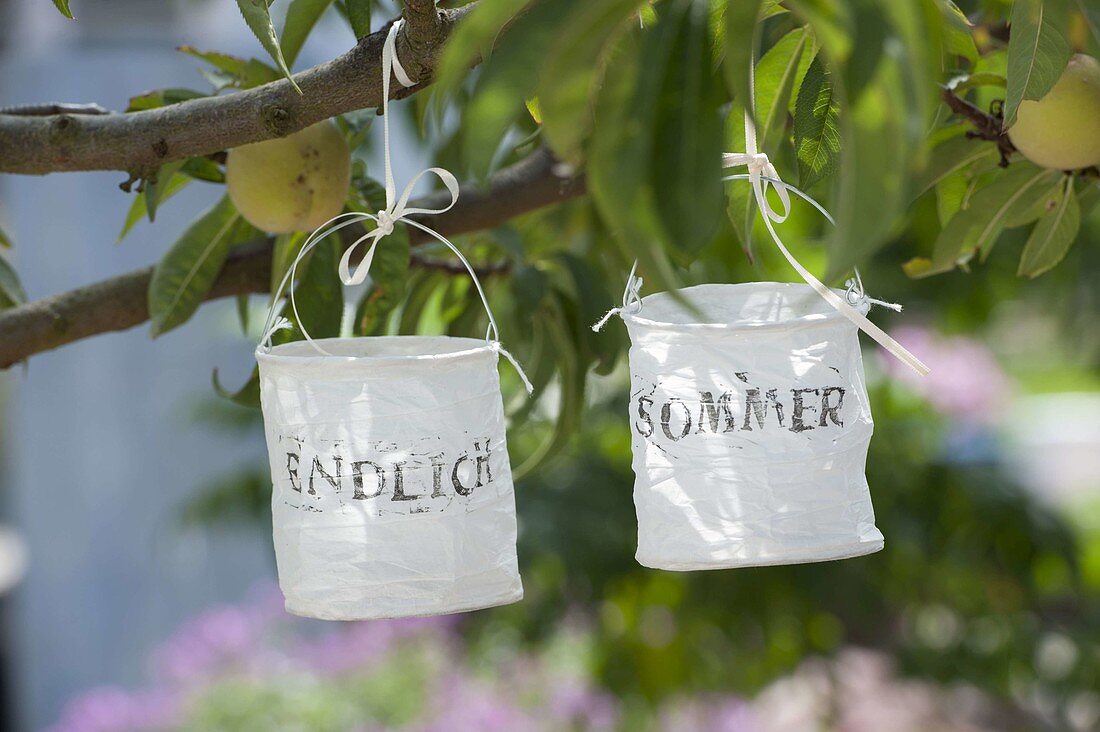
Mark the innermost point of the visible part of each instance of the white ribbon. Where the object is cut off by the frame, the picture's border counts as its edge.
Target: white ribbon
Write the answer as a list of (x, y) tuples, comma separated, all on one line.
[(397, 210), (763, 174)]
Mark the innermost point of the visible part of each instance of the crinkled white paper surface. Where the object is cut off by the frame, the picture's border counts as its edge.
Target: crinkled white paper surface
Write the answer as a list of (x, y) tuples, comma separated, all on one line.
[(750, 423), (392, 489)]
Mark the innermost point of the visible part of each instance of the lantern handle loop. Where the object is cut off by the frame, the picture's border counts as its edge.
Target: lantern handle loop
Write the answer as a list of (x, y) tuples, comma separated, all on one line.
[(396, 211), (632, 299)]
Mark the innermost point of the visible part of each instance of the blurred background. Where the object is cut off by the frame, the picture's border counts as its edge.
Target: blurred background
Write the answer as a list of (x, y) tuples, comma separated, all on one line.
[(135, 556)]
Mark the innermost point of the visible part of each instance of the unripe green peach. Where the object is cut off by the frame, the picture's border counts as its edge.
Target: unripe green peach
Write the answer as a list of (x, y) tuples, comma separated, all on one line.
[(1062, 130), (293, 183)]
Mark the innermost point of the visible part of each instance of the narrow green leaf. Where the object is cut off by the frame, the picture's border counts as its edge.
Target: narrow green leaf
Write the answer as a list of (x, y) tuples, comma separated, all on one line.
[(1053, 235), (319, 293), (950, 193), (570, 72), (247, 396), (1037, 51), (741, 206), (620, 162), (11, 290), (232, 71), (952, 156), (507, 79), (687, 127), (977, 226), (155, 187), (258, 17), (283, 252), (301, 16), (203, 169), (474, 36), (958, 38), (816, 131), (739, 29), (775, 79), (185, 274), (359, 16), (5, 240), (871, 183), (139, 207), (162, 98), (242, 312), (63, 8)]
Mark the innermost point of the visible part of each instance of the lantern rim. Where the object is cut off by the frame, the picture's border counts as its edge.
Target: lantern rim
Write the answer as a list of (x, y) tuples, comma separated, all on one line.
[(378, 350), (822, 313)]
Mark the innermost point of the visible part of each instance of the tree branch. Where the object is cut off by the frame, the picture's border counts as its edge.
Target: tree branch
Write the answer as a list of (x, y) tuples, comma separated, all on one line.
[(986, 126), (140, 142), (121, 302)]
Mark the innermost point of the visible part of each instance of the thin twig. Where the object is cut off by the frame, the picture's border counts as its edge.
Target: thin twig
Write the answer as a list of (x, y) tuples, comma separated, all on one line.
[(986, 126)]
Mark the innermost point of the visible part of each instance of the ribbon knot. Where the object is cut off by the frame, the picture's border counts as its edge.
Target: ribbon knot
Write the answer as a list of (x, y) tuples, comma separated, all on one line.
[(385, 223)]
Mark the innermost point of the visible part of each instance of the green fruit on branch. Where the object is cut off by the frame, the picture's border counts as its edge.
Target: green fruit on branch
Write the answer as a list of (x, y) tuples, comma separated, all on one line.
[(1062, 130), (293, 183)]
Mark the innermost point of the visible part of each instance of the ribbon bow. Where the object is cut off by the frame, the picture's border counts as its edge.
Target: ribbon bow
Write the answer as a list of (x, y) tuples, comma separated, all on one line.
[(397, 209), (761, 175)]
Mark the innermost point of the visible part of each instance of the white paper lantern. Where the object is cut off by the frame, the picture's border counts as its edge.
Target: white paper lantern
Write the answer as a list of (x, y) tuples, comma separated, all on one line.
[(392, 490), (750, 424)]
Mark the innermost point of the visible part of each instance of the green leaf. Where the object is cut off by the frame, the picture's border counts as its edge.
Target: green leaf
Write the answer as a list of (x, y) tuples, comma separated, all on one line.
[(739, 30), (155, 186), (247, 396), (687, 127), (951, 192), (243, 312), (1037, 51), (570, 71), (162, 98), (63, 8), (203, 169), (301, 16), (258, 17), (977, 226), (1053, 235), (952, 156), (816, 132), (183, 277), (958, 39), (359, 17), (620, 162), (11, 290), (871, 31), (5, 240), (741, 206), (474, 36), (234, 71), (283, 252), (776, 74), (870, 193), (507, 79), (319, 293), (139, 207)]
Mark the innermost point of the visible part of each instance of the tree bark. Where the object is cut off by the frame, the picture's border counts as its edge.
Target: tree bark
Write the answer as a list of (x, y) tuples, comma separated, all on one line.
[(121, 302), (140, 142)]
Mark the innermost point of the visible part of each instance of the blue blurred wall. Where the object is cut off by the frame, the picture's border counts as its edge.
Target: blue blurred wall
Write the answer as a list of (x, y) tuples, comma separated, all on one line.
[(99, 448)]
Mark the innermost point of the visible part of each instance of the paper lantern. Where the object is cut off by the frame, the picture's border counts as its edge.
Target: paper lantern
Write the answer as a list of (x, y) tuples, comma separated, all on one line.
[(391, 486), (392, 490), (750, 424)]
